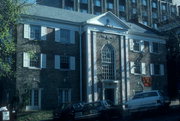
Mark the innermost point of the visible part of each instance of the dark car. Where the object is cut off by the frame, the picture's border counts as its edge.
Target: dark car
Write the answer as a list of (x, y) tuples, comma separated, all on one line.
[(101, 110)]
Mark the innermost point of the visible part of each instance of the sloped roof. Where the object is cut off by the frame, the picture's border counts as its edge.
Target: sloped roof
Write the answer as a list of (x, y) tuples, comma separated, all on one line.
[(57, 13), (78, 17)]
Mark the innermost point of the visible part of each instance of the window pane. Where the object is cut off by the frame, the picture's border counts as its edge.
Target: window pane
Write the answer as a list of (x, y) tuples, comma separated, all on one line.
[(121, 8), (35, 60), (136, 45), (155, 47), (65, 62), (110, 5), (97, 3), (60, 96), (36, 97), (156, 69), (65, 35), (66, 96), (35, 32), (107, 56)]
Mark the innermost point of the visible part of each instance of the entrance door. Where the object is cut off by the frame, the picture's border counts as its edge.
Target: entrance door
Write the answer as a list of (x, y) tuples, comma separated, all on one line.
[(109, 94)]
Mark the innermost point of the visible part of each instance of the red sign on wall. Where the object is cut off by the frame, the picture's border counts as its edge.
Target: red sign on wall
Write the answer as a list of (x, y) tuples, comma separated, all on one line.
[(147, 81)]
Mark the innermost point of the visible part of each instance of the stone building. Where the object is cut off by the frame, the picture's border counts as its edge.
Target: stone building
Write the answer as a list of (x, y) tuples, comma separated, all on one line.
[(66, 57), (147, 12)]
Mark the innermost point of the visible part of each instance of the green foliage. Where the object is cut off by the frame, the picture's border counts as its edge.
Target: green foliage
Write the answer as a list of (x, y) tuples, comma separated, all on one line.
[(9, 15), (35, 116)]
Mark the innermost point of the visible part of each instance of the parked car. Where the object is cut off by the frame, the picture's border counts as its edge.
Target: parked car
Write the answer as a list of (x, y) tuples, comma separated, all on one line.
[(101, 110), (147, 100)]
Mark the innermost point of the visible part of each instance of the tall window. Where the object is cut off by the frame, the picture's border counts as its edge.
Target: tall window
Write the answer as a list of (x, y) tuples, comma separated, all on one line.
[(110, 5), (65, 62), (107, 58), (144, 2), (154, 5), (64, 96), (97, 3), (121, 8)]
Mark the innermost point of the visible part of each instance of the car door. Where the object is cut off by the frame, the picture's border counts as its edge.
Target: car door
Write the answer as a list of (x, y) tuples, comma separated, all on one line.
[(136, 102), (150, 99)]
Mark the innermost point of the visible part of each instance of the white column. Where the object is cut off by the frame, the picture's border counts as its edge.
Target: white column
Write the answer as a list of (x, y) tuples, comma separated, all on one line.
[(123, 70), (95, 68), (88, 66), (127, 66)]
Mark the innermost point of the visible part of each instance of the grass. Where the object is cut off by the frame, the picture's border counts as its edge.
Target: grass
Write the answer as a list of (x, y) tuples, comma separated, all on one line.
[(34, 116)]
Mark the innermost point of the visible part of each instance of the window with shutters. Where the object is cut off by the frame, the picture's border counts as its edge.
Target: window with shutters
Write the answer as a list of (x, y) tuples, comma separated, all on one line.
[(64, 96), (34, 60), (35, 32), (64, 62), (157, 69), (136, 45), (64, 36), (107, 58), (138, 68)]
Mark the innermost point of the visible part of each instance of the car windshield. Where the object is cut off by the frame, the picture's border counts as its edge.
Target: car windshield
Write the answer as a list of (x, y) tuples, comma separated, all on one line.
[(137, 96)]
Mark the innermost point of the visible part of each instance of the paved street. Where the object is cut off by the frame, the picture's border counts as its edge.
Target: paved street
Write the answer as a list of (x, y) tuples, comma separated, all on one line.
[(171, 115)]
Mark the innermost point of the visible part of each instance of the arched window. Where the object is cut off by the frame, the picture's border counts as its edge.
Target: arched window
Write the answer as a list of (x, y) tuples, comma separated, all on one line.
[(107, 60)]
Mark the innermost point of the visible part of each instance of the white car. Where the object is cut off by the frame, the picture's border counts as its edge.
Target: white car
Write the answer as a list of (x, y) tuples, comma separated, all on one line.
[(146, 101)]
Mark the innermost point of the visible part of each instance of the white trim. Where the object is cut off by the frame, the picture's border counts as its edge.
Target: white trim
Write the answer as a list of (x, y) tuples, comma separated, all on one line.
[(132, 67), (57, 34), (72, 63), (143, 68), (43, 32), (43, 61), (50, 24), (26, 60), (162, 69), (57, 62), (72, 37), (147, 38), (27, 31), (152, 69)]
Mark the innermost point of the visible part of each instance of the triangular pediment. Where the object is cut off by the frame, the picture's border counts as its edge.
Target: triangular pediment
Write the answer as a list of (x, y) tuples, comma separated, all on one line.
[(108, 19)]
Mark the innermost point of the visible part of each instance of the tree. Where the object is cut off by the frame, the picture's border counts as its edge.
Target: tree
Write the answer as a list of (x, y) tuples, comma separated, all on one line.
[(10, 11)]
